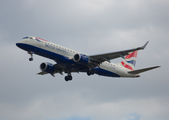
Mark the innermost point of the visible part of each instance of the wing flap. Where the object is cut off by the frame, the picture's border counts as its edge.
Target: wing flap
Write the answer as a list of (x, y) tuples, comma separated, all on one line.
[(142, 70)]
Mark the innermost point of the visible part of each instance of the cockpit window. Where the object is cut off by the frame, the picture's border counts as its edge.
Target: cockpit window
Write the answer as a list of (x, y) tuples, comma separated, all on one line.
[(25, 37), (30, 37)]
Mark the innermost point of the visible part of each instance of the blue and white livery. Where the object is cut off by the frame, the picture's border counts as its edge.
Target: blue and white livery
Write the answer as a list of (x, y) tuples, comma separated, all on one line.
[(70, 61)]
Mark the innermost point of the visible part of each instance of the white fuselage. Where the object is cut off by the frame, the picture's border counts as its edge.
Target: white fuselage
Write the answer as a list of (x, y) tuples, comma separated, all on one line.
[(68, 53)]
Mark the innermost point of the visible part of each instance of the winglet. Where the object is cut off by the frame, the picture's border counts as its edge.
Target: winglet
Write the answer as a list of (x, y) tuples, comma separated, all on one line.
[(144, 45)]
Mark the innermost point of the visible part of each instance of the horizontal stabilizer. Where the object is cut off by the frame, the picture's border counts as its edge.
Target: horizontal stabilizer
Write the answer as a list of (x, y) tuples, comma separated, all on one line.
[(142, 70)]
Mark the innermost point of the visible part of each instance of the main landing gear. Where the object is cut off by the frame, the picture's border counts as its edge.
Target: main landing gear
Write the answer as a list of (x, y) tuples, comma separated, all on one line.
[(90, 72), (68, 77), (31, 54)]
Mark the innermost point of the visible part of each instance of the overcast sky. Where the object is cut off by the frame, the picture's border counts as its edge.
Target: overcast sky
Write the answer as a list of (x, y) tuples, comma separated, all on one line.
[(92, 27)]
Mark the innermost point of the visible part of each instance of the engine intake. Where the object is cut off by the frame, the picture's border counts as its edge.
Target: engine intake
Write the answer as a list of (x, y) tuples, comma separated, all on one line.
[(81, 59), (47, 67)]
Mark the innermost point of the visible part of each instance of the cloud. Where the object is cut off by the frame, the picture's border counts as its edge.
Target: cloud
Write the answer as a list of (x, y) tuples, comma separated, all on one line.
[(53, 107), (92, 27)]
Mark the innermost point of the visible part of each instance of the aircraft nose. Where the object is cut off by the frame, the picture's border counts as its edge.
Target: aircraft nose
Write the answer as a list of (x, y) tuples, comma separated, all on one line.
[(18, 44)]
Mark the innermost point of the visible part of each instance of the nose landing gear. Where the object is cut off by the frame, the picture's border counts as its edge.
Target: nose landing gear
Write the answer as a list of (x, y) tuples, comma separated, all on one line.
[(31, 54), (31, 59)]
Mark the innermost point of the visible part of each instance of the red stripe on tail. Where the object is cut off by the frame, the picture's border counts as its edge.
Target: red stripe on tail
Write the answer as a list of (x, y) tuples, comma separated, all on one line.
[(126, 66)]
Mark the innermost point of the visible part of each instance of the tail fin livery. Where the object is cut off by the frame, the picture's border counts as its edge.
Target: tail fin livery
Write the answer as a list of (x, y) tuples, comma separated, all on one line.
[(130, 61)]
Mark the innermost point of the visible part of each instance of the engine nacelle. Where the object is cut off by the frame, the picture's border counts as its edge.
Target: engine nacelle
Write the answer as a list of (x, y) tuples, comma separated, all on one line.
[(81, 59), (47, 67)]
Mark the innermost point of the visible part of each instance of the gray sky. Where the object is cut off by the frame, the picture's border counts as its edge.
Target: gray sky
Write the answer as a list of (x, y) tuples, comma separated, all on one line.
[(92, 27)]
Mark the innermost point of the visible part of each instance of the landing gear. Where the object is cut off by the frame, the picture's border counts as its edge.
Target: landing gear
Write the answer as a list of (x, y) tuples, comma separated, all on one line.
[(31, 54), (30, 59), (90, 72), (68, 78)]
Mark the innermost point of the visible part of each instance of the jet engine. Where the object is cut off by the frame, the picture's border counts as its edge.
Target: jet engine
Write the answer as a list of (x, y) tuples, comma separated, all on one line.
[(81, 59), (47, 67)]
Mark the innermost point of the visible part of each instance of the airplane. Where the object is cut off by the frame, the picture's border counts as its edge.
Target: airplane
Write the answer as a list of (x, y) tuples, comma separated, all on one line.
[(70, 61)]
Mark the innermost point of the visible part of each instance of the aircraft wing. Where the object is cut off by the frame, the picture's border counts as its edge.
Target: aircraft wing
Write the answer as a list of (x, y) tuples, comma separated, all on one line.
[(109, 56), (42, 73), (58, 69)]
